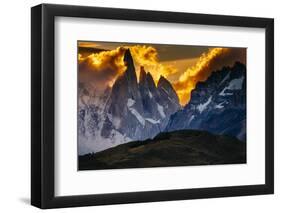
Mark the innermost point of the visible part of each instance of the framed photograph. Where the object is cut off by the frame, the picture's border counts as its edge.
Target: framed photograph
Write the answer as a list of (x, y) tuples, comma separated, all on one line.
[(139, 106)]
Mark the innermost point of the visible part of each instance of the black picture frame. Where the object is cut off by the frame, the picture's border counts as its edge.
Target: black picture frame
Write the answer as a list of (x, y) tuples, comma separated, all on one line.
[(43, 111)]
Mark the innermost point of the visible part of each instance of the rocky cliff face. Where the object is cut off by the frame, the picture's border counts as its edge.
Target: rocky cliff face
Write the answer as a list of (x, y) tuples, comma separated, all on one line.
[(130, 111), (217, 105)]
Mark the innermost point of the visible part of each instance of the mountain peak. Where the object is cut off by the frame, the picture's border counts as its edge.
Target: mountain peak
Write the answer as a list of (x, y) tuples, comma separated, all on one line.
[(239, 66), (149, 75), (130, 72), (142, 74), (149, 79), (146, 78), (128, 56), (163, 82), (166, 89)]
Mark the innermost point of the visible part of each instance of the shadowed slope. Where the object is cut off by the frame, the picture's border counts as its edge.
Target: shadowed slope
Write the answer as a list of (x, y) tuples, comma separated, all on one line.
[(178, 148)]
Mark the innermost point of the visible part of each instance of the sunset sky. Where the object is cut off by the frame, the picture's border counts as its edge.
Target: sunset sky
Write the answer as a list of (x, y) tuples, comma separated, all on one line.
[(182, 65)]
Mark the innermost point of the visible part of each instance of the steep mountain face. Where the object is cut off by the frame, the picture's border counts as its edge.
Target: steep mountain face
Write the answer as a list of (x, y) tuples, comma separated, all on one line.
[(217, 105), (168, 98), (125, 95), (149, 97), (129, 111)]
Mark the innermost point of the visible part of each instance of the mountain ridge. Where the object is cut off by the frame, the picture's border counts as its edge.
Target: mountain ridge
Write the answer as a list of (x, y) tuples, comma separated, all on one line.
[(216, 104)]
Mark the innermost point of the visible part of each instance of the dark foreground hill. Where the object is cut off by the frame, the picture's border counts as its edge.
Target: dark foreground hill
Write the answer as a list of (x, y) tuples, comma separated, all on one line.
[(178, 148)]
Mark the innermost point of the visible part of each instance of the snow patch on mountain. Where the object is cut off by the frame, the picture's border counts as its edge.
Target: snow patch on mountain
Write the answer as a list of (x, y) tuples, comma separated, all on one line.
[(190, 119), (202, 107), (219, 106), (161, 110), (87, 144), (235, 84), (116, 121), (152, 121), (150, 95), (137, 115), (130, 102)]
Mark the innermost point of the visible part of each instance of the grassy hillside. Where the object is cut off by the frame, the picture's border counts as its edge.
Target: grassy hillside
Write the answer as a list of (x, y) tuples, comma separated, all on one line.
[(178, 148)]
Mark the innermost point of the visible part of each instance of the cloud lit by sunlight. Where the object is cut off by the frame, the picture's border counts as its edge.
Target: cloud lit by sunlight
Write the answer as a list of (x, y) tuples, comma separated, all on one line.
[(107, 65), (111, 61), (208, 62)]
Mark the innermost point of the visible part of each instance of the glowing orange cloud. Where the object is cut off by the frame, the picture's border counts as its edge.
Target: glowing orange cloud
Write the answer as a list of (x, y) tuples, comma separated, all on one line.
[(147, 57), (112, 59), (143, 55), (107, 65), (103, 68), (208, 62)]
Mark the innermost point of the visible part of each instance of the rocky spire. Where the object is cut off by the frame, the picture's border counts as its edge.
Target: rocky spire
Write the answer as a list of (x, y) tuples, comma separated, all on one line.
[(150, 81), (163, 82), (166, 89), (128, 57), (142, 75), (146, 79), (130, 71)]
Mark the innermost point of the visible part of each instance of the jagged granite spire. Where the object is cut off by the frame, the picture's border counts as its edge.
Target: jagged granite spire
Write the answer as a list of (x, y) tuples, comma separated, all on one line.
[(131, 111), (125, 104), (150, 81), (147, 80), (149, 95), (128, 57), (163, 83), (142, 75), (165, 88), (130, 71)]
